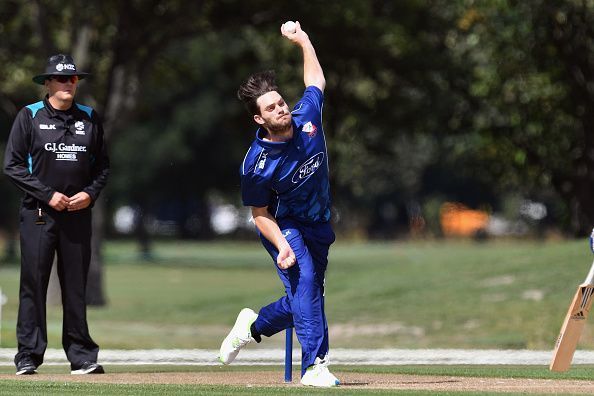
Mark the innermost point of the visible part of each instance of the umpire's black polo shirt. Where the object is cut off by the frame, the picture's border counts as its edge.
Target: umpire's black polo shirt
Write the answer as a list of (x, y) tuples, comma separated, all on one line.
[(51, 150)]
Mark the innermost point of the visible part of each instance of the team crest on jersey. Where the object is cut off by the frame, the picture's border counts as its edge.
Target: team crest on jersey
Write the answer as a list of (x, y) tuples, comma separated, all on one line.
[(310, 129), (80, 127)]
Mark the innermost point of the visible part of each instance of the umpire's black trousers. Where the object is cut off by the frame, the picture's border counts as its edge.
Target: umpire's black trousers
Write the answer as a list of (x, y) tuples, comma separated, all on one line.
[(69, 235)]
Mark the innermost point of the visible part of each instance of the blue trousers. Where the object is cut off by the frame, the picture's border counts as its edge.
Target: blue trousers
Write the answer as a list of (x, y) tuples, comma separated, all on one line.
[(302, 307)]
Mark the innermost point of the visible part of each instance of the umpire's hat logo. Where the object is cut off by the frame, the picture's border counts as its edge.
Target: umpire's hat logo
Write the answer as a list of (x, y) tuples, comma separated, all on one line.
[(59, 65)]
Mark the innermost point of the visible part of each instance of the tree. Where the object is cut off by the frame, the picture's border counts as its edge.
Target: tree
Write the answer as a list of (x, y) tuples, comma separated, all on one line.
[(532, 82)]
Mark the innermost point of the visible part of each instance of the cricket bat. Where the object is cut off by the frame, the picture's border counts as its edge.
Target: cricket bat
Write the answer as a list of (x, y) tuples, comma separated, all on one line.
[(573, 324)]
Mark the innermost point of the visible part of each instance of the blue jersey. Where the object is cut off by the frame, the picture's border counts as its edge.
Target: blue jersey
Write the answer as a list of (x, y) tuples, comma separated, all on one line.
[(291, 177)]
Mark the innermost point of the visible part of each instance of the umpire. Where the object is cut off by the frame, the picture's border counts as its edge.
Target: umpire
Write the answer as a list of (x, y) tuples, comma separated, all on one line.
[(56, 155)]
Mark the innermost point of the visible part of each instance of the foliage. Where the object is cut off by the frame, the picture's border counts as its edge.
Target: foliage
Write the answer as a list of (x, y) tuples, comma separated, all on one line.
[(440, 100), (531, 77)]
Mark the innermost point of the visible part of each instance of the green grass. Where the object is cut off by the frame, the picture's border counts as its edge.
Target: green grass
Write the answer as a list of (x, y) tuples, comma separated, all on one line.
[(19, 386), (577, 372), (52, 388), (503, 294)]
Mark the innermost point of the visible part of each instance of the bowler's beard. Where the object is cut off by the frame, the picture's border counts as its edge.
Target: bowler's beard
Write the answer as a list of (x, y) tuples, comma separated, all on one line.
[(276, 127)]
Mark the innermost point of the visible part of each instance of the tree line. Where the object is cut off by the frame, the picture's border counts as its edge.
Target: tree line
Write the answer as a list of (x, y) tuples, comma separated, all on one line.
[(427, 102)]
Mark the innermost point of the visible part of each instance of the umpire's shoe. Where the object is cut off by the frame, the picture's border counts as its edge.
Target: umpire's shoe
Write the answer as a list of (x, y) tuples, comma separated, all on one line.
[(88, 368), (25, 366), (239, 336)]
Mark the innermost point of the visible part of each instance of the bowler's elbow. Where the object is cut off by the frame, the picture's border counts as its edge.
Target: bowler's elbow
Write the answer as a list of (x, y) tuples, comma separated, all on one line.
[(7, 169), (318, 82)]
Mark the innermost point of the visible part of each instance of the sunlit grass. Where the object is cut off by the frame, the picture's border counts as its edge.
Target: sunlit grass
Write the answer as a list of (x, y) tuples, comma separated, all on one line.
[(65, 387), (508, 294)]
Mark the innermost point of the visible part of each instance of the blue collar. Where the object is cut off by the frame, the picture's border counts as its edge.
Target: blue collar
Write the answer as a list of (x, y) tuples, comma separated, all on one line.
[(276, 145)]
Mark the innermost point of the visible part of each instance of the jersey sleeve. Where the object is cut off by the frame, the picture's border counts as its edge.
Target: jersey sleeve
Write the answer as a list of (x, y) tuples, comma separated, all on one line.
[(311, 102), (256, 187), (17, 159), (100, 162), (255, 190)]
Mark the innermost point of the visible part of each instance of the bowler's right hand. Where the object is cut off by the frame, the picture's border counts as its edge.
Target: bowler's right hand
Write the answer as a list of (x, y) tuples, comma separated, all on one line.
[(299, 37), (286, 257), (59, 201)]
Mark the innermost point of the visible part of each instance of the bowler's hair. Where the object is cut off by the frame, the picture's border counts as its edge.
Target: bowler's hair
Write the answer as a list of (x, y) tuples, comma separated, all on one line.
[(255, 86)]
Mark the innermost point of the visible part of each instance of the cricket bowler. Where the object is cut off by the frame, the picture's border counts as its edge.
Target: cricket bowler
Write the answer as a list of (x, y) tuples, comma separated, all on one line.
[(285, 181)]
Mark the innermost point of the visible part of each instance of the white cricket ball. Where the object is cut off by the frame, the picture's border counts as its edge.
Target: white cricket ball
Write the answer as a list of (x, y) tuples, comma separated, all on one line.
[(289, 27)]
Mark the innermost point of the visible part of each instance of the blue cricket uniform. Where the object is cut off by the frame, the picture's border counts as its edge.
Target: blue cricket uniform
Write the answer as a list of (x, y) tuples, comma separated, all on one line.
[(292, 179)]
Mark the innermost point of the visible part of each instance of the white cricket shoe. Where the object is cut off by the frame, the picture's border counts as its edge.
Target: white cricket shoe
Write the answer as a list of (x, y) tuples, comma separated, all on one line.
[(318, 375), (238, 337)]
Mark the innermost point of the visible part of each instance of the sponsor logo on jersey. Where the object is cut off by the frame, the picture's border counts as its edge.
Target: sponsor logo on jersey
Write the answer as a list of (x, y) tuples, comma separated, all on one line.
[(286, 233), (66, 157), (65, 152), (310, 129), (308, 168), (80, 127), (45, 126), (262, 160)]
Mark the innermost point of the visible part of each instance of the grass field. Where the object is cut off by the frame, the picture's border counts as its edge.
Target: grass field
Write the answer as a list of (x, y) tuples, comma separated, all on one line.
[(445, 373), (504, 294), (444, 294)]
